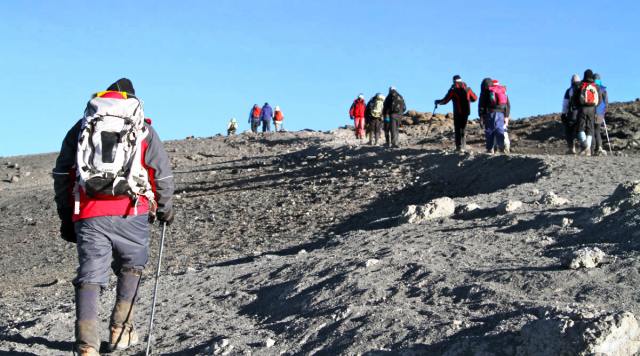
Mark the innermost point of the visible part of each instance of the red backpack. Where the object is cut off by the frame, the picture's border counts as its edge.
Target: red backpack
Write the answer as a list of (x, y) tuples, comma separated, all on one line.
[(256, 112), (498, 95), (278, 116), (589, 94)]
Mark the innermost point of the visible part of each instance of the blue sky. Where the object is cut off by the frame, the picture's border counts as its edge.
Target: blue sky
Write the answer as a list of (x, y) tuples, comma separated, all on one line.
[(198, 63)]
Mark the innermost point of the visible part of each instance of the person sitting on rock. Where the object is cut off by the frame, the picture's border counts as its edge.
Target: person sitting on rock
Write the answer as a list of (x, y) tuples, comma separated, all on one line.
[(232, 127), (462, 97)]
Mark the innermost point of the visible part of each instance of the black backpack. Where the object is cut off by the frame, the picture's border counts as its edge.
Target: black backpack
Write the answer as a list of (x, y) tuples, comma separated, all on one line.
[(397, 104)]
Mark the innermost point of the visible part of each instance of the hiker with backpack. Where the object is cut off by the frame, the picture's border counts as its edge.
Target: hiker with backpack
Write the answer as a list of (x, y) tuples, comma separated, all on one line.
[(569, 114), (266, 115), (393, 109), (254, 118), (462, 97), (232, 126), (373, 116), (586, 100), (278, 117), (356, 113), (112, 179), (601, 110), (494, 109)]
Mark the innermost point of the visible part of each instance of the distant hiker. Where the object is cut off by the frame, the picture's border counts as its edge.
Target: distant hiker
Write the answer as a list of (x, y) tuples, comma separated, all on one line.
[(494, 109), (356, 113), (266, 115), (278, 117), (108, 212), (462, 96), (254, 118), (586, 100), (373, 118), (394, 107), (570, 114), (601, 110), (232, 127)]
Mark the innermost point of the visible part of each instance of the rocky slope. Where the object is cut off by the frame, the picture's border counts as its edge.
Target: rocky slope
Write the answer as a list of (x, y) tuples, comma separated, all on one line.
[(296, 243)]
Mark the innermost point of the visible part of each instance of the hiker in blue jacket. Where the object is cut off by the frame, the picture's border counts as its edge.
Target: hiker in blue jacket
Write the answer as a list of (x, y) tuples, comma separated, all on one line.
[(266, 116)]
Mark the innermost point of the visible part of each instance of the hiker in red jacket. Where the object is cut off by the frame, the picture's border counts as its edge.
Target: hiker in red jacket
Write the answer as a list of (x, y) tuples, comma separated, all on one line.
[(356, 112), (108, 215), (462, 97)]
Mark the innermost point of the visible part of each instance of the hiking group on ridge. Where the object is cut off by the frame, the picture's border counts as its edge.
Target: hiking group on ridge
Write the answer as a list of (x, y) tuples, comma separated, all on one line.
[(584, 106), (264, 115), (379, 113)]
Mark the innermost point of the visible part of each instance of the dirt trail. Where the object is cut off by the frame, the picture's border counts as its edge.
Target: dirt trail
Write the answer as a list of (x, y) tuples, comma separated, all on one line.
[(293, 244)]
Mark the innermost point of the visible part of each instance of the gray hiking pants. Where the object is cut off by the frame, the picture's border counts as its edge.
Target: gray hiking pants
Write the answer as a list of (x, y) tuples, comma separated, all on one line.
[(110, 241)]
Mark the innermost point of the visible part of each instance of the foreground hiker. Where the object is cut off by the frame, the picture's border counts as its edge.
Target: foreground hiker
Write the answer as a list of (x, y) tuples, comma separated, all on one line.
[(394, 107), (356, 113), (586, 99), (570, 114), (232, 126), (373, 116), (254, 118), (601, 110), (462, 97), (266, 115), (108, 212), (494, 109), (278, 117)]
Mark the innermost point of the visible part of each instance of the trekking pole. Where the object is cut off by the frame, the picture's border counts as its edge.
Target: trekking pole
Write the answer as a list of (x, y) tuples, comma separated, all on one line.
[(433, 114), (606, 132), (155, 288)]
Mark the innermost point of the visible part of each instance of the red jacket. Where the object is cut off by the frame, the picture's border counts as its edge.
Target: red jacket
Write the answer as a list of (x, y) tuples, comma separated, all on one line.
[(357, 108), (154, 160), (462, 96)]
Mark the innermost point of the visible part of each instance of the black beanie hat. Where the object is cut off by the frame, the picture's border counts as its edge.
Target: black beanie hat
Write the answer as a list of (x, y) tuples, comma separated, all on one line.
[(123, 84), (456, 78), (588, 75)]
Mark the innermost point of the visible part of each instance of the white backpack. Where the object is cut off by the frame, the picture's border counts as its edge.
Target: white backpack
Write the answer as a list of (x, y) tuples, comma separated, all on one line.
[(109, 155)]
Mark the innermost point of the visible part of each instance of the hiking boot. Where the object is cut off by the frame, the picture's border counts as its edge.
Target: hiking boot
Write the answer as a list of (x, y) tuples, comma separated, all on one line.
[(571, 151), (85, 350), (601, 152), (490, 151), (122, 337), (506, 150)]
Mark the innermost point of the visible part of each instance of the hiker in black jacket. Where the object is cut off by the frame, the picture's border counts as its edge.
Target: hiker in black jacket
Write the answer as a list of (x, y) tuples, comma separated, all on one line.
[(586, 99), (462, 96), (570, 115), (394, 107)]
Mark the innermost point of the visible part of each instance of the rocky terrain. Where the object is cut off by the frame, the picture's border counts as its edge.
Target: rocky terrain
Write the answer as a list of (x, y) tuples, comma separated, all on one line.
[(313, 243)]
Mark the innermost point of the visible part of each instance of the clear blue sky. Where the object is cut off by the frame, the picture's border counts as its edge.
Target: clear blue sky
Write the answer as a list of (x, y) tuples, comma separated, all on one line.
[(198, 63)]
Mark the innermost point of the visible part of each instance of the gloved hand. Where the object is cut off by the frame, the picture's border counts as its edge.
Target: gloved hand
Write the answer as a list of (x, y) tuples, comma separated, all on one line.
[(67, 229), (166, 216)]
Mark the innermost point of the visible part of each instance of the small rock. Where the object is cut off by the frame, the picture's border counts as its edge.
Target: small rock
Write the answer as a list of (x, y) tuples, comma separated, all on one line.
[(191, 270), (551, 198), (302, 252), (269, 342), (509, 206), (566, 222), (371, 262), (14, 179), (588, 257), (467, 208)]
